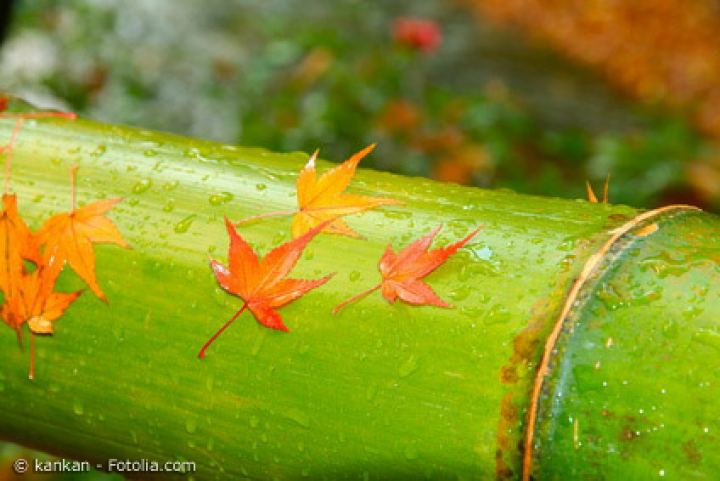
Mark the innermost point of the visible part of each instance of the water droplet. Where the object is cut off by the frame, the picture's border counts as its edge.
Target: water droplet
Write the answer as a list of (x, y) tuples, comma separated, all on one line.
[(485, 253), (354, 276), (497, 314), (142, 186), (170, 185), (78, 408), (221, 198), (408, 367), (190, 425), (411, 452), (254, 421), (118, 331), (99, 150), (370, 392), (183, 226), (300, 417), (462, 293), (169, 206), (396, 214), (260, 186), (257, 345)]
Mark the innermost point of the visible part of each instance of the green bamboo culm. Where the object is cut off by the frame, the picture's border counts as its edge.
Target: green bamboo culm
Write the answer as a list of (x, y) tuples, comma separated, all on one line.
[(631, 382)]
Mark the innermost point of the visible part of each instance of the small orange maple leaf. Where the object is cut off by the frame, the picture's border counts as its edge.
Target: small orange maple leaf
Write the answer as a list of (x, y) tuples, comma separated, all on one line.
[(322, 199), (35, 302), (401, 272), (69, 236), (262, 283), (32, 299)]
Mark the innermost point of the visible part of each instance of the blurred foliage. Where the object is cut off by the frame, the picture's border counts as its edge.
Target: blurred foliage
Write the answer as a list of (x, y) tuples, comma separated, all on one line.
[(338, 75), (657, 50)]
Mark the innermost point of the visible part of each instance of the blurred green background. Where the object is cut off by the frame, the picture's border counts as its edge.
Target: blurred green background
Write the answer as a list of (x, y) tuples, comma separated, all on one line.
[(477, 92), (455, 97)]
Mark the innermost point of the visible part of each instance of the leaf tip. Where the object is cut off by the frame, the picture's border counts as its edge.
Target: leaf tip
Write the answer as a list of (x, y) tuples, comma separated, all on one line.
[(311, 161)]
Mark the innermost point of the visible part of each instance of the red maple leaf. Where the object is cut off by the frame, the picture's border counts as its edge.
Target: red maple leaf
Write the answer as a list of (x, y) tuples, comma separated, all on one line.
[(401, 272), (262, 283)]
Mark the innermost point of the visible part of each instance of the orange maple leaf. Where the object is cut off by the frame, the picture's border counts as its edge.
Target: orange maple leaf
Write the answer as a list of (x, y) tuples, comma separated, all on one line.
[(16, 240), (34, 301), (322, 199), (16, 243), (70, 236), (401, 272), (262, 283)]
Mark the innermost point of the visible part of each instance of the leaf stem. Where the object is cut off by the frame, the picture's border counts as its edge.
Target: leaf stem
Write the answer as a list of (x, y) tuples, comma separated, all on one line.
[(19, 338), (8, 157), (37, 115), (262, 216), (73, 169), (207, 344), (362, 294), (32, 355)]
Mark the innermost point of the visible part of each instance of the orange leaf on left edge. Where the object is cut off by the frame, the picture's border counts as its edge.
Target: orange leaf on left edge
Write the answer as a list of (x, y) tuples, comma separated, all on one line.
[(34, 300), (16, 244)]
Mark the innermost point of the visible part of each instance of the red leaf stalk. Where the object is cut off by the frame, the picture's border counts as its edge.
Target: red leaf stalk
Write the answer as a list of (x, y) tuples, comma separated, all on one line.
[(207, 344)]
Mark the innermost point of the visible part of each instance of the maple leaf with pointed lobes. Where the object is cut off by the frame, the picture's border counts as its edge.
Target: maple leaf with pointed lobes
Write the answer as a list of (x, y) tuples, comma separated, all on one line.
[(70, 236), (17, 243), (402, 272), (262, 283), (322, 199), (34, 301)]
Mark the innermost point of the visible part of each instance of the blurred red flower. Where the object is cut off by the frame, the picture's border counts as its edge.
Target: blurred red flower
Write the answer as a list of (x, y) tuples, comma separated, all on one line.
[(417, 33)]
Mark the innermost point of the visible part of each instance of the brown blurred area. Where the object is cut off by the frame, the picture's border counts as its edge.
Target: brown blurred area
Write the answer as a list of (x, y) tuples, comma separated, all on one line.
[(654, 50), (664, 52)]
